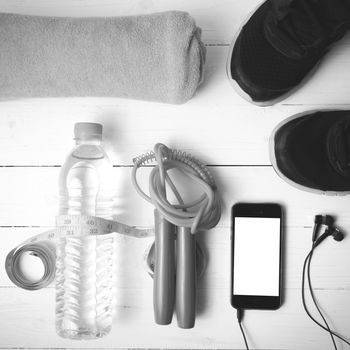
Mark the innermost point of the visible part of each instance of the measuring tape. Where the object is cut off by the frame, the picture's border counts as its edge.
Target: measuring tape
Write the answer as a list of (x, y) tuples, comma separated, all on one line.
[(44, 247)]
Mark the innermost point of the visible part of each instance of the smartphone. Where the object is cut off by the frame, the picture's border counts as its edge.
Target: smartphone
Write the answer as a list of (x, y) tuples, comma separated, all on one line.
[(256, 256)]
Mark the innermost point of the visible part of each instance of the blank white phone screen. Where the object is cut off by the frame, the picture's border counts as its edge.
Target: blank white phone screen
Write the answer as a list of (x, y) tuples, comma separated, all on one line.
[(256, 256)]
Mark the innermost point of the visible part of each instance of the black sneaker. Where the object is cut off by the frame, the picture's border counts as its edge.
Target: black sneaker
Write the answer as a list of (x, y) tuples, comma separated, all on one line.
[(280, 45), (312, 151)]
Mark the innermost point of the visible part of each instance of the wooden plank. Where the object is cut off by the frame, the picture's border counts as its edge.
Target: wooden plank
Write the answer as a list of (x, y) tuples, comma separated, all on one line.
[(27, 320), (220, 130), (330, 265), (217, 125), (29, 196), (218, 20), (36, 134)]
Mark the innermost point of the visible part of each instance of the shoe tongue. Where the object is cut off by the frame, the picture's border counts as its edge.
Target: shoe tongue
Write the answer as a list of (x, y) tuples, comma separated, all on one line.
[(338, 147), (298, 28)]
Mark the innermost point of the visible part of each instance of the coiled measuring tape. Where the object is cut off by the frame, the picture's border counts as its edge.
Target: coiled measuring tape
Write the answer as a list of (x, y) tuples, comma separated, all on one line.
[(43, 245)]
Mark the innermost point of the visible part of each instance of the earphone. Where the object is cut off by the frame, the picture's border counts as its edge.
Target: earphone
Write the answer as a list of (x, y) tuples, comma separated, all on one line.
[(320, 220), (331, 230), (335, 232)]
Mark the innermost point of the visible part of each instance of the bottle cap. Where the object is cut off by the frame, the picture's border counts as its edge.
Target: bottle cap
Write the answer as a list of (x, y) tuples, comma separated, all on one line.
[(87, 131)]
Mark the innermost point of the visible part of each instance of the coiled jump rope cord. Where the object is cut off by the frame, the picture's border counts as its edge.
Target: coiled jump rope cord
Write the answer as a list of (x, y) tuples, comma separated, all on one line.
[(181, 214), (181, 220)]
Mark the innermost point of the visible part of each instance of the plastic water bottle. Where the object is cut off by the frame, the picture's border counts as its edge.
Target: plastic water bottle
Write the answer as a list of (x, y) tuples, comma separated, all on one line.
[(84, 267)]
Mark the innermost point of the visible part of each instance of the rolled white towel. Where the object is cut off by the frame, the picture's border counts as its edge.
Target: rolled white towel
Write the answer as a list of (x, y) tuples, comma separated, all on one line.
[(156, 57)]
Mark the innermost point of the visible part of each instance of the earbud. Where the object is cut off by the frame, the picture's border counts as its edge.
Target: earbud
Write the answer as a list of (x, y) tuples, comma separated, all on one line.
[(317, 226), (330, 231), (337, 235), (326, 220)]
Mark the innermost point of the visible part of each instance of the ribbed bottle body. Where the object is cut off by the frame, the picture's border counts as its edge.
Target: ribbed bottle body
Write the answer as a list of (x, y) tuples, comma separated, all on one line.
[(84, 266)]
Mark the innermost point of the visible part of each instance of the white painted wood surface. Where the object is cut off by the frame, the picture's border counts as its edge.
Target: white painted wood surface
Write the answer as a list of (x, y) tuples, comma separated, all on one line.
[(218, 127)]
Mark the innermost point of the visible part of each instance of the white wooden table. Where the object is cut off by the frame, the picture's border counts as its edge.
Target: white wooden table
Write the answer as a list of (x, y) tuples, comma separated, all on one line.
[(217, 126)]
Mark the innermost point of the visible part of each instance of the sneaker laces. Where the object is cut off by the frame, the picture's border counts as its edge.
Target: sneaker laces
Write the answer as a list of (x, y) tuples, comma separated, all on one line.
[(301, 28), (338, 147)]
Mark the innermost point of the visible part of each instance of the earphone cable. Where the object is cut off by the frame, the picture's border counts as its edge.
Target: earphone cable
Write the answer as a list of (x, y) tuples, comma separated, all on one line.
[(239, 318), (314, 299), (305, 306)]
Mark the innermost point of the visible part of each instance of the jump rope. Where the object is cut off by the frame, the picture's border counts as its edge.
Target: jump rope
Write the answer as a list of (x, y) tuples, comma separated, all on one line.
[(175, 275)]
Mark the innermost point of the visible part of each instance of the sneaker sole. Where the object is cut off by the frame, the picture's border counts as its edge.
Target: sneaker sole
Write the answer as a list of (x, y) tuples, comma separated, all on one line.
[(281, 175)]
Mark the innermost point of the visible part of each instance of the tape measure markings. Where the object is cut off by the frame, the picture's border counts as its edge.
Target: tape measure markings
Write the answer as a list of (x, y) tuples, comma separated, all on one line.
[(70, 226)]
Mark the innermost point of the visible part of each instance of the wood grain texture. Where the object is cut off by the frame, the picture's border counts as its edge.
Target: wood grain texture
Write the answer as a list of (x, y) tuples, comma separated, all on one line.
[(32, 315), (218, 127), (217, 124), (29, 196)]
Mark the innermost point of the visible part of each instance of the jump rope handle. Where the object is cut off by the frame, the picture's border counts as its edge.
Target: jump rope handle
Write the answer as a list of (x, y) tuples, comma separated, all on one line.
[(186, 278), (164, 270)]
